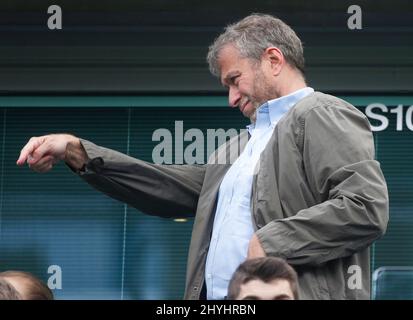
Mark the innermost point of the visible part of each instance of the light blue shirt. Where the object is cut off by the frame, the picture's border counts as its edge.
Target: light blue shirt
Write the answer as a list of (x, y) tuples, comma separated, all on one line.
[(233, 227)]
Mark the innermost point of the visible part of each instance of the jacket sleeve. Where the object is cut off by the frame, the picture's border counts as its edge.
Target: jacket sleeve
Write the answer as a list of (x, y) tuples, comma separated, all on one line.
[(163, 190), (352, 210)]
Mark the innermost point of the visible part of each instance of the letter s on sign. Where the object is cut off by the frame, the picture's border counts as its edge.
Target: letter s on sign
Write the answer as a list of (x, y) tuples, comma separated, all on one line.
[(383, 119)]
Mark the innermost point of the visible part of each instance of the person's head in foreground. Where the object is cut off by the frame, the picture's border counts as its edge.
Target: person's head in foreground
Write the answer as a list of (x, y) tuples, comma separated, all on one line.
[(7, 291), (267, 278), (27, 286)]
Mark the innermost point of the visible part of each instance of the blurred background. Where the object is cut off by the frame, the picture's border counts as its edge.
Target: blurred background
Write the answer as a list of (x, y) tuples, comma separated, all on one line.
[(119, 70)]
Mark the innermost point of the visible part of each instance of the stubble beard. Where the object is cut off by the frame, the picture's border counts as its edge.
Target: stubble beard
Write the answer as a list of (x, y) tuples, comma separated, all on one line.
[(262, 92)]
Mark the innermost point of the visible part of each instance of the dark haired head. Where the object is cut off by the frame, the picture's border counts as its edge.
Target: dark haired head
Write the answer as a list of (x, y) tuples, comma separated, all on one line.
[(266, 269)]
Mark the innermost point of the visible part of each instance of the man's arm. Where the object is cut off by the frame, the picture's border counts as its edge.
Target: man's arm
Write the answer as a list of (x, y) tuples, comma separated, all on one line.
[(338, 157), (162, 190)]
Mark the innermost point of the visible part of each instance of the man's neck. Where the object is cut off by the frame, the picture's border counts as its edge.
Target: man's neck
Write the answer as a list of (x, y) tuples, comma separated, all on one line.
[(291, 84)]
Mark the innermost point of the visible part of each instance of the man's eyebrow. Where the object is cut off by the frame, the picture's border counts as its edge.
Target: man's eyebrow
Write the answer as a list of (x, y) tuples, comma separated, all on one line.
[(250, 297), (281, 297), (229, 76)]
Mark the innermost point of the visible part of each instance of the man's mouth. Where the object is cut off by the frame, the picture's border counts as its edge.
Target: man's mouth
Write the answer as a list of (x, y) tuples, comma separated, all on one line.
[(243, 105)]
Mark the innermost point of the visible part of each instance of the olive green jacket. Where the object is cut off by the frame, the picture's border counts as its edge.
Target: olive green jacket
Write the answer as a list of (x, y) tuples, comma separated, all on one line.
[(319, 199)]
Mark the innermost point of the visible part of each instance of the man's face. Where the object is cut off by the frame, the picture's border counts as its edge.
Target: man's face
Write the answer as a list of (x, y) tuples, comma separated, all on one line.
[(248, 81), (279, 289)]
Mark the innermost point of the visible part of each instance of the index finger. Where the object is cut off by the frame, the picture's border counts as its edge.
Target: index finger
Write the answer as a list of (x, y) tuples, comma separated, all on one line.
[(27, 150)]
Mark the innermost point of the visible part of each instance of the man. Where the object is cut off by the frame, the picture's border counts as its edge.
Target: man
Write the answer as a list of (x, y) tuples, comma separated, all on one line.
[(305, 188), (27, 285), (266, 278)]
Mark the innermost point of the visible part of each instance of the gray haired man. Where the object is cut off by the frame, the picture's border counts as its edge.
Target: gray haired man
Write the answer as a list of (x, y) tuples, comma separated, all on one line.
[(305, 187)]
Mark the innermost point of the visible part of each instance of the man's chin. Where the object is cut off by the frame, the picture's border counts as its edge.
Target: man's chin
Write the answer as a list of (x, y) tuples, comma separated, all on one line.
[(252, 116), (246, 113)]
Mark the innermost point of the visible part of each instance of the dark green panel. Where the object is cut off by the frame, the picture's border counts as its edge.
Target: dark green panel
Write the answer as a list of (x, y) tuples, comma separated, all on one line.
[(393, 283), (393, 149), (2, 131), (55, 218), (156, 252)]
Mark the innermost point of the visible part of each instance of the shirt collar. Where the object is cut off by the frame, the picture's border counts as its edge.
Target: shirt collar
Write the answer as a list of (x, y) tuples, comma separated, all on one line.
[(273, 110)]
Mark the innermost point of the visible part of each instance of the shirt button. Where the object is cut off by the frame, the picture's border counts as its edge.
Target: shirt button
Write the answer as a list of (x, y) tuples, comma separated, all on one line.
[(209, 276)]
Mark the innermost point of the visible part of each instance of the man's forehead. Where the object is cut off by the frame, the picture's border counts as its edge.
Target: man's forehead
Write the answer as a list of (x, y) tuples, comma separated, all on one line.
[(227, 58), (259, 287)]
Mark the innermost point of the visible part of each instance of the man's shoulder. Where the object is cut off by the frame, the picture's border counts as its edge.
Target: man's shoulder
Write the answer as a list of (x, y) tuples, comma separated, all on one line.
[(319, 102)]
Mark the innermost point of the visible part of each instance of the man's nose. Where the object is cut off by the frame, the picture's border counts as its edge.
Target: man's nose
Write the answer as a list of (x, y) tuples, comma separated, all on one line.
[(234, 97)]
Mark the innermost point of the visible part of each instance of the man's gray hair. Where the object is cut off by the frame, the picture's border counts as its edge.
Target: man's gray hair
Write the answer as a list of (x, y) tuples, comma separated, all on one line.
[(255, 33)]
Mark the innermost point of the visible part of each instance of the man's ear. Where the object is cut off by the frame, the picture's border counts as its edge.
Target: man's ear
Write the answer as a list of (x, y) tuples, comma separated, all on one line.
[(274, 57)]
